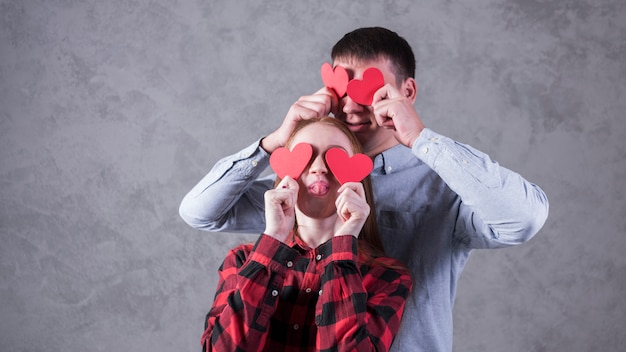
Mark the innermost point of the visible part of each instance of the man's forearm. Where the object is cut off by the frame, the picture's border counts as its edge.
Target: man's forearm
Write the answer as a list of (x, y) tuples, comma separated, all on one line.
[(230, 196)]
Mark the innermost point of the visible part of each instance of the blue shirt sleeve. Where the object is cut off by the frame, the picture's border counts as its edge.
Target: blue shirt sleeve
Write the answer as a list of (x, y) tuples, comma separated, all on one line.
[(230, 196), (498, 206)]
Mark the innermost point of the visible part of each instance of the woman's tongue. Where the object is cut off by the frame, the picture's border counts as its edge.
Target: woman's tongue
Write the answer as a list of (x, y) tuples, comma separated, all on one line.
[(319, 188)]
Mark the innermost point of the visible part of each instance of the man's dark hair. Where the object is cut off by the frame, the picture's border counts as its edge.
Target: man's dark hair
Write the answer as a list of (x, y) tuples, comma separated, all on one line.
[(373, 43)]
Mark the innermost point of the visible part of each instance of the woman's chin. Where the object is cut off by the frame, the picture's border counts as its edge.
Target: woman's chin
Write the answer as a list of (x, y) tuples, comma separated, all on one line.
[(317, 212)]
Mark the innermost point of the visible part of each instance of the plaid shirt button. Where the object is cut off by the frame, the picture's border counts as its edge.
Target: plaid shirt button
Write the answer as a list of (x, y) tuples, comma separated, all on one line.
[(308, 290), (296, 326), (274, 293), (289, 264), (319, 257)]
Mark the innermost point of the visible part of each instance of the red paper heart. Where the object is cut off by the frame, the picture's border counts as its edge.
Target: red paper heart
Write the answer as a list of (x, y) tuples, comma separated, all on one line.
[(336, 79), (285, 162), (362, 91), (348, 169)]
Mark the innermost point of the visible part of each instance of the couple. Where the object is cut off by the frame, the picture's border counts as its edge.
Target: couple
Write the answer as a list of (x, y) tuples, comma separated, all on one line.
[(435, 199)]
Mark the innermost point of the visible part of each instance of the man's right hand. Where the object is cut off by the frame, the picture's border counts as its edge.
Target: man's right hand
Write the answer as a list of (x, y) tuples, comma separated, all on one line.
[(321, 103)]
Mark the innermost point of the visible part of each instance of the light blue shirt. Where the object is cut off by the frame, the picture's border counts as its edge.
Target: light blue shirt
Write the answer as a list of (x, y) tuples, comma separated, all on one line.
[(434, 203)]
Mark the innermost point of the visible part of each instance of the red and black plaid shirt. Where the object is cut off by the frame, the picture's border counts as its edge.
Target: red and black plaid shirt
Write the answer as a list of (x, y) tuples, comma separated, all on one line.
[(276, 297)]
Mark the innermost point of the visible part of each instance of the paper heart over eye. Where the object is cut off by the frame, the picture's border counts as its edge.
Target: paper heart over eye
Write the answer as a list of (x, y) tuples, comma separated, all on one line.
[(362, 91), (287, 162), (336, 79), (346, 168)]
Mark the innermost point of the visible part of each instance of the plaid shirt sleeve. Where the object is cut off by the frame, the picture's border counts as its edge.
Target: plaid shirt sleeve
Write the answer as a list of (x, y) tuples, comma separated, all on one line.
[(250, 280), (359, 309)]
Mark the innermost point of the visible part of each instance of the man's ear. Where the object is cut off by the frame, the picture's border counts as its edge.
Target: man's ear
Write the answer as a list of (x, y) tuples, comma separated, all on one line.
[(409, 89)]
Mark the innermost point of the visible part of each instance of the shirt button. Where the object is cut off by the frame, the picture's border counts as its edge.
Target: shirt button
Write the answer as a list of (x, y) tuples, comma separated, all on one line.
[(320, 293), (274, 293), (308, 290), (296, 326), (434, 139), (389, 168), (255, 163), (319, 257), (465, 161), (289, 264), (425, 150)]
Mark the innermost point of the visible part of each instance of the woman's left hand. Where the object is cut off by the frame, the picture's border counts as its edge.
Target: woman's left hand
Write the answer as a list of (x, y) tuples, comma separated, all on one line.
[(352, 209)]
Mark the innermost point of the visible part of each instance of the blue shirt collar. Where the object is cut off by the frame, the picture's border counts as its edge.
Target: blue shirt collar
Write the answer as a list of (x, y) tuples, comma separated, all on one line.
[(394, 159)]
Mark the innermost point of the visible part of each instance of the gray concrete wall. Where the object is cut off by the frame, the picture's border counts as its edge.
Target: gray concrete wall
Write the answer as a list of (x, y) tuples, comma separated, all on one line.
[(111, 110)]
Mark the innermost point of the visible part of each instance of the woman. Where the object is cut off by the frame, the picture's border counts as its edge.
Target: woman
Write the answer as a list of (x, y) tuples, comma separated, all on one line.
[(317, 278)]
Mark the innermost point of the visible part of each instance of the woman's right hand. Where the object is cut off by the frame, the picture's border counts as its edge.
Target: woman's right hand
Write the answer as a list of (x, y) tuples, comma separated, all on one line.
[(280, 205)]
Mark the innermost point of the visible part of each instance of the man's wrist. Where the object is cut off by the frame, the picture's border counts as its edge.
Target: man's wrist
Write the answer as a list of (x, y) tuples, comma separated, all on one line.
[(268, 144)]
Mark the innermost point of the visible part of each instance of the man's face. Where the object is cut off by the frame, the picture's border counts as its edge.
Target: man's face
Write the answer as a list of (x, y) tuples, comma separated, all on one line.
[(360, 118)]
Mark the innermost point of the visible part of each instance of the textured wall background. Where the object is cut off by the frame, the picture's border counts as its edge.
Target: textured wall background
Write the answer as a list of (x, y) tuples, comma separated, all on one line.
[(110, 111)]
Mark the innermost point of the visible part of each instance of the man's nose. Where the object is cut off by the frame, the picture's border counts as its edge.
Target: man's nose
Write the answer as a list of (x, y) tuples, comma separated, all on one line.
[(350, 106)]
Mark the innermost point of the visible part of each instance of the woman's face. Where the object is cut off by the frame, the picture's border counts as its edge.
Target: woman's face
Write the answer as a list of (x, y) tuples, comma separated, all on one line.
[(318, 186)]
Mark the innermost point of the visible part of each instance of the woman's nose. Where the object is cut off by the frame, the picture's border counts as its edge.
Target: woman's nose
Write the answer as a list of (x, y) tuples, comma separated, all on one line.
[(318, 166)]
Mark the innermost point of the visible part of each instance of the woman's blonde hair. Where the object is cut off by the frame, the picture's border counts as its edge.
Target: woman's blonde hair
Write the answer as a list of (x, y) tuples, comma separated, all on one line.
[(370, 246)]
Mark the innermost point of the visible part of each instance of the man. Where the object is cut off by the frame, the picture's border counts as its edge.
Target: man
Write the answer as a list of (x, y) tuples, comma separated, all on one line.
[(436, 199)]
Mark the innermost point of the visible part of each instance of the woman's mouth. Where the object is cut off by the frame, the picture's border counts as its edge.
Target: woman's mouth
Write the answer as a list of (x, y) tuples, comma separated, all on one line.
[(319, 188)]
